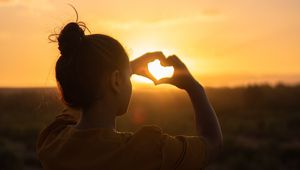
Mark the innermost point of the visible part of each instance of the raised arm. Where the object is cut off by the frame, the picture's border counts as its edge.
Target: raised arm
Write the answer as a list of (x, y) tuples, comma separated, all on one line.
[(206, 120)]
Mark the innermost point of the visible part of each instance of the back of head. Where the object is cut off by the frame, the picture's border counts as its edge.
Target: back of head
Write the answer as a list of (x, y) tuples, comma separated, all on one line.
[(85, 63)]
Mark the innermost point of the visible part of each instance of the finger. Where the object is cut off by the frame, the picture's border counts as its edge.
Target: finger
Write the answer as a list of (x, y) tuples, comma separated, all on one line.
[(151, 77), (145, 73), (153, 56), (167, 62), (147, 57), (164, 81), (173, 60)]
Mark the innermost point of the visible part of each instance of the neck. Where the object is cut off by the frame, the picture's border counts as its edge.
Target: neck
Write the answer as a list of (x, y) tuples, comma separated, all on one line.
[(101, 114)]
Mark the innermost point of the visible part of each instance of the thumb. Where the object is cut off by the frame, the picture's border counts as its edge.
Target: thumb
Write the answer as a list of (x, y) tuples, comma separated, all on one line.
[(163, 81), (151, 77)]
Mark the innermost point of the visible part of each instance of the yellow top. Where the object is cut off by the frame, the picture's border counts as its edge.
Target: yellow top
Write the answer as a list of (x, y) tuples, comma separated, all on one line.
[(61, 146)]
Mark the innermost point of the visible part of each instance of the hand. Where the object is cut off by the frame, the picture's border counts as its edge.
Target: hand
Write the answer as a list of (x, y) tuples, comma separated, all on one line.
[(181, 78), (139, 66)]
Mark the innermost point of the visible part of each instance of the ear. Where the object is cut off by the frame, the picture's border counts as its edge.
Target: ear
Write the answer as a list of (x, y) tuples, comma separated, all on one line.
[(115, 81)]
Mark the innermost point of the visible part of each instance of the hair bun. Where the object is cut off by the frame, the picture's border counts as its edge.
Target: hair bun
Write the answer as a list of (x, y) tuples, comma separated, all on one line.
[(70, 38)]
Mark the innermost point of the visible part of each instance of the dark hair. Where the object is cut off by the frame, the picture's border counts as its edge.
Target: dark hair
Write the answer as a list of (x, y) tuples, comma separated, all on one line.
[(84, 63)]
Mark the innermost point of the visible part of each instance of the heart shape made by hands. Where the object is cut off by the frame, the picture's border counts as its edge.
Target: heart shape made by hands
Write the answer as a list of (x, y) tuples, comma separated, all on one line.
[(158, 71)]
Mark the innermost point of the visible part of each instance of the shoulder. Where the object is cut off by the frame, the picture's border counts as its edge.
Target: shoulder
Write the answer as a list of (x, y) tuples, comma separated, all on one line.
[(149, 129), (55, 127), (149, 136), (149, 132), (177, 152)]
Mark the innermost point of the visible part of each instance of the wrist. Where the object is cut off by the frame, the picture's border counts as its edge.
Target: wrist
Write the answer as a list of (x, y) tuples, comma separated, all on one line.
[(192, 85), (194, 88)]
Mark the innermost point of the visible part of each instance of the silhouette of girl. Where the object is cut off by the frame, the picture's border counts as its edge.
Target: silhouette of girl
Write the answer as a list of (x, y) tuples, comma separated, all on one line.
[(93, 76)]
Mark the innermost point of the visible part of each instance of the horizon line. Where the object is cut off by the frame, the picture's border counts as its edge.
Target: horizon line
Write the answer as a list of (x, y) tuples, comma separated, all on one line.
[(140, 86)]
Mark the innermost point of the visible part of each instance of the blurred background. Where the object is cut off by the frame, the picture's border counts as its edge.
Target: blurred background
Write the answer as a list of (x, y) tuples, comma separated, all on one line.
[(246, 54)]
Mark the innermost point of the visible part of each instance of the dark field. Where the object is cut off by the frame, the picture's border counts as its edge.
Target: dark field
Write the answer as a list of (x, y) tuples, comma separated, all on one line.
[(261, 124)]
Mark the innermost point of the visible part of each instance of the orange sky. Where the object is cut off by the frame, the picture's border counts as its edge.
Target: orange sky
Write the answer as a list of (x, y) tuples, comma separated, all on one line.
[(224, 43)]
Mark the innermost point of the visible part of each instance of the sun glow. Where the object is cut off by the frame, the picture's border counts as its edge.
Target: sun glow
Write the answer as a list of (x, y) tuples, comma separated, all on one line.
[(156, 69), (222, 44), (159, 71)]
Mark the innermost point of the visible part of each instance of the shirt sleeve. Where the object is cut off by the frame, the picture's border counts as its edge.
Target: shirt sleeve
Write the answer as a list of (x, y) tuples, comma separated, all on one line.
[(60, 122), (183, 152)]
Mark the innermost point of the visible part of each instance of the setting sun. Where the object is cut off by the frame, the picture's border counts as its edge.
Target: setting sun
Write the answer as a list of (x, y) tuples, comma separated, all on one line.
[(159, 71), (222, 44)]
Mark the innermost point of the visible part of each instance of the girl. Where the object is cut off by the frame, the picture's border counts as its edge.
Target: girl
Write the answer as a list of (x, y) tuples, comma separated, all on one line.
[(93, 76)]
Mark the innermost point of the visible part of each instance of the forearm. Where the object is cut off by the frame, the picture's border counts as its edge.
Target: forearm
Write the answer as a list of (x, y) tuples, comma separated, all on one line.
[(206, 120)]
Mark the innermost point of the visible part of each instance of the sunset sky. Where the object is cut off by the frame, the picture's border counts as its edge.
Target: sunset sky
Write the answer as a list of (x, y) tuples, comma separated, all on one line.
[(224, 42)]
